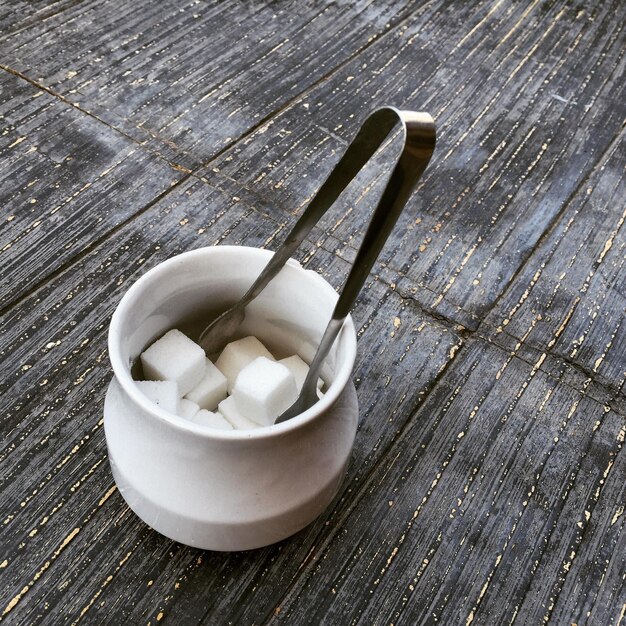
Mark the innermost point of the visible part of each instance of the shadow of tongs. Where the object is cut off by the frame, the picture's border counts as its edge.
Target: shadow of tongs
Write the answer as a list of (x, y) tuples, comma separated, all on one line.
[(418, 135)]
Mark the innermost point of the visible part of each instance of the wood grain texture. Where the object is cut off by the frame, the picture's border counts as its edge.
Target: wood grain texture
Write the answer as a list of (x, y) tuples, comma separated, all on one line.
[(56, 475), (487, 484), (20, 14), (67, 180), (570, 298), (481, 509), (504, 81), (188, 76)]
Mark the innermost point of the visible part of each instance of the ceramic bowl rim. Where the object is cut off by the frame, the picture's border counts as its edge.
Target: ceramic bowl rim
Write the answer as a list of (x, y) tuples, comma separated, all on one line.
[(126, 382)]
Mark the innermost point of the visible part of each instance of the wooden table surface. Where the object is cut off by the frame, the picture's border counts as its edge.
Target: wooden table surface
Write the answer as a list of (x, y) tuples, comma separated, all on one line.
[(488, 479)]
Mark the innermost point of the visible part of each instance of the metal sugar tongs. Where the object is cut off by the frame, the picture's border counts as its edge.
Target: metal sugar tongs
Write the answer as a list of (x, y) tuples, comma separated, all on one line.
[(419, 136)]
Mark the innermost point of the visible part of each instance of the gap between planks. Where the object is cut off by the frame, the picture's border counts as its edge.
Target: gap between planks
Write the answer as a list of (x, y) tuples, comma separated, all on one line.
[(614, 395), (63, 99), (318, 549), (390, 28)]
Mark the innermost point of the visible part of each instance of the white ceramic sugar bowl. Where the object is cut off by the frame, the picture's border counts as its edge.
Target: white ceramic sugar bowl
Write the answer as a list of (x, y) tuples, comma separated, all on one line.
[(216, 489)]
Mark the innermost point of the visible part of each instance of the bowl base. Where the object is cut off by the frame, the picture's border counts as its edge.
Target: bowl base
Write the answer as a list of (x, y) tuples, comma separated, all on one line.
[(212, 534)]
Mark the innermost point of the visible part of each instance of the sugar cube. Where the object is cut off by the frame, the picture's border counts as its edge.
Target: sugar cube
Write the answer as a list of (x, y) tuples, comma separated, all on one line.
[(175, 357), (237, 354), (214, 420), (187, 408), (229, 410), (211, 389), (299, 369), (164, 393), (263, 390)]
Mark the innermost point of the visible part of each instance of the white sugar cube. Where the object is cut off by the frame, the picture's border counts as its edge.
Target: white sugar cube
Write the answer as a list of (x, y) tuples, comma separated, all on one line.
[(237, 354), (164, 393), (187, 408), (299, 369), (214, 420), (229, 410), (263, 390), (175, 357), (211, 389)]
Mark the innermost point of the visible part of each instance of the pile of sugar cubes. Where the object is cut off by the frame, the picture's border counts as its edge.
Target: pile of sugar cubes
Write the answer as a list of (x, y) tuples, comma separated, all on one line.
[(246, 387)]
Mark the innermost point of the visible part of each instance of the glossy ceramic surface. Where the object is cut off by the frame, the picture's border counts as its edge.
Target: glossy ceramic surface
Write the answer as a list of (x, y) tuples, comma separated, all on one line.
[(228, 490)]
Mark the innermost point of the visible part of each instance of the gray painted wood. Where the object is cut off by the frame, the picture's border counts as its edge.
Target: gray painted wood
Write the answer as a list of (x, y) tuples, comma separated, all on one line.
[(487, 480), (570, 297), (66, 182), (508, 155), (61, 437), (506, 461), (21, 14), (190, 77)]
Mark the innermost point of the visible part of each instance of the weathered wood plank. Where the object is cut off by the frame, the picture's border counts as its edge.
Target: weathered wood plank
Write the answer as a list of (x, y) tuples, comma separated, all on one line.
[(67, 180), (566, 372), (468, 507), (495, 470), (586, 551), (189, 77), (169, 88), (570, 297), (60, 508), (19, 14), (504, 82)]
